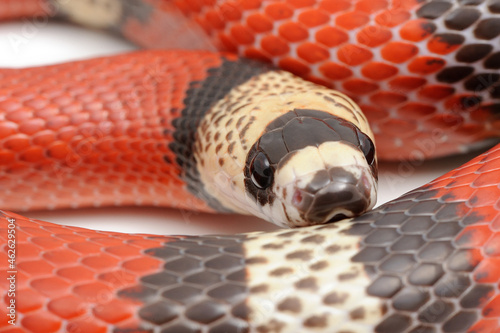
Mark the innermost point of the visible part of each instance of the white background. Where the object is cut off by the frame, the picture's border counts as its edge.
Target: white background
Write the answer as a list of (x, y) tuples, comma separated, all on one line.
[(28, 43)]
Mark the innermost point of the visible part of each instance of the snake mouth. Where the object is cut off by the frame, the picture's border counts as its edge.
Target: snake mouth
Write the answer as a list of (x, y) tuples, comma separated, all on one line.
[(334, 194)]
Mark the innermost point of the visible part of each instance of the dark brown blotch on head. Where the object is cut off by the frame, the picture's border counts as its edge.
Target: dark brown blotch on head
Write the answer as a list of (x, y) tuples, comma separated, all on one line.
[(208, 136), (243, 132), (343, 97), (231, 148), (329, 99), (208, 146), (240, 121), (212, 117), (290, 304), (204, 125), (217, 121)]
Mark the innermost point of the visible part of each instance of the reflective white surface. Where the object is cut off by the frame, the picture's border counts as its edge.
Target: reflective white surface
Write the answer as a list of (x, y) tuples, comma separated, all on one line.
[(32, 43)]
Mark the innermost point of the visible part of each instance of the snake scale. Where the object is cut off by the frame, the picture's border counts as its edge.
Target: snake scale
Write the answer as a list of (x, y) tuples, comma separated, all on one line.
[(215, 132)]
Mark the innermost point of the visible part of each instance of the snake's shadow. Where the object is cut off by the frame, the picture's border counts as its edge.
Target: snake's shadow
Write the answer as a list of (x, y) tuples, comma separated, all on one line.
[(153, 220)]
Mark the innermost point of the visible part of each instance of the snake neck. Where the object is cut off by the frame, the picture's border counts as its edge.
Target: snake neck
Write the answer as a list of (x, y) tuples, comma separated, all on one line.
[(195, 138)]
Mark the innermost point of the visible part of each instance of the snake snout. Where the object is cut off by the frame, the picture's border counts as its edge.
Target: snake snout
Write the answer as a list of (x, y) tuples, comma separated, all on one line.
[(333, 195)]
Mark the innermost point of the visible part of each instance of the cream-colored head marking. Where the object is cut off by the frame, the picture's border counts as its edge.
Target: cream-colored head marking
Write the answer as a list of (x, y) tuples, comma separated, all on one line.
[(232, 127)]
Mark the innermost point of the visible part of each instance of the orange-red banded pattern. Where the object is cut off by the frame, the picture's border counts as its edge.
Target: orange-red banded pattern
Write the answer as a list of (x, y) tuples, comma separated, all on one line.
[(434, 247), (99, 129), (386, 42)]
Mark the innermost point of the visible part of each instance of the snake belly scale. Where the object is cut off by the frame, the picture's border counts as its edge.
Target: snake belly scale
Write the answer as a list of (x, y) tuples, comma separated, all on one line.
[(215, 132)]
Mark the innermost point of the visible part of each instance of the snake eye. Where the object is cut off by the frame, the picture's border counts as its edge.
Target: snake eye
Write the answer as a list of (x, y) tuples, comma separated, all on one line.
[(261, 171), (367, 147)]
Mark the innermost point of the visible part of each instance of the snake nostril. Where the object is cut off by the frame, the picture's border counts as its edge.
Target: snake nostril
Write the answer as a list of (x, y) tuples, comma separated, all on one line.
[(297, 198)]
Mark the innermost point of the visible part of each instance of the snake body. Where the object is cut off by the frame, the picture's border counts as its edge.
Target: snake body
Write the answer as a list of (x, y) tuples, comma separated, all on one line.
[(424, 72), (426, 262), (178, 131)]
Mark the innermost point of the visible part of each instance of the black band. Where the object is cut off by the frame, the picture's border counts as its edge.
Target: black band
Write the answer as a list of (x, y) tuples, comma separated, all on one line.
[(200, 99)]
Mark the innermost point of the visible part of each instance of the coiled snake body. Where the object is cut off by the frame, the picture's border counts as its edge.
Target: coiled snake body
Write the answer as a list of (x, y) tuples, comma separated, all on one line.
[(214, 132)]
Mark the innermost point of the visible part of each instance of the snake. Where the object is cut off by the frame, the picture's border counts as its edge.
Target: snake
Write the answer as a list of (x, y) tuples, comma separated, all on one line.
[(219, 132)]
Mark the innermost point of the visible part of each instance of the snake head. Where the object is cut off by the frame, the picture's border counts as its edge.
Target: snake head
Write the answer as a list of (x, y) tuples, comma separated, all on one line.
[(288, 151), (311, 167)]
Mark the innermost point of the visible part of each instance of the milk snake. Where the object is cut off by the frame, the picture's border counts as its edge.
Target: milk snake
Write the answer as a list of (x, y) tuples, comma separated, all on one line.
[(131, 128)]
